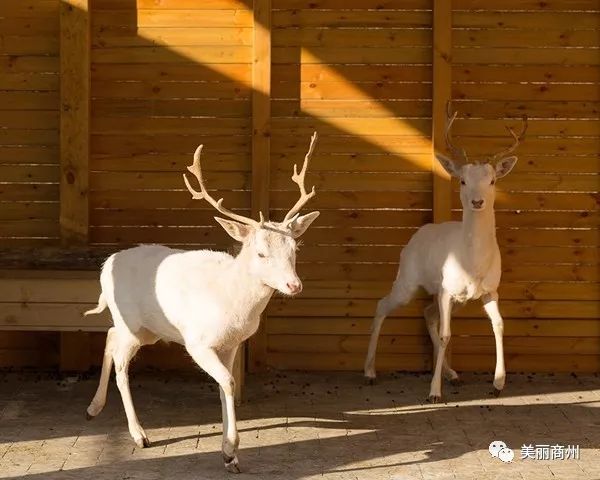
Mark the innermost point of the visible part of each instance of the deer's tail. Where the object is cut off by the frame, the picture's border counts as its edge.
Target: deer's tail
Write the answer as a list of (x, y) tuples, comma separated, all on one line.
[(99, 308)]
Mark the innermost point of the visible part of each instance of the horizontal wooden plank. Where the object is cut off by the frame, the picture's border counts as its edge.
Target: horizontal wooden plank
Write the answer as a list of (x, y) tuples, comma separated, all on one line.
[(539, 19), (420, 143), (350, 18), (170, 162), (535, 127), (359, 37), (167, 90), (28, 192), (175, 18), (539, 56), (200, 237), (49, 290), (180, 107), (525, 73), (51, 316), (25, 100), (545, 309), (187, 217), (170, 5), (29, 174), (20, 137), (352, 55), (180, 54), (199, 127), (527, 92), (29, 81), (530, 363), (25, 228), (356, 73), (542, 201), (524, 38), (521, 5), (375, 160), (106, 37), (353, 362), (335, 344), (214, 72), (351, 91), (28, 24), (341, 108), (29, 211), (494, 109), (416, 326), (41, 155), (351, 5), (29, 44)]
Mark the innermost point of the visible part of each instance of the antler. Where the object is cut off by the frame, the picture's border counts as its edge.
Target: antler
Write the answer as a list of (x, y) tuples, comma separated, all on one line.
[(456, 152), (196, 170), (298, 179), (516, 140)]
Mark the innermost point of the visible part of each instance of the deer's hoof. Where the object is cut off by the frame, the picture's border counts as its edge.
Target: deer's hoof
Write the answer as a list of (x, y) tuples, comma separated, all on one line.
[(88, 417), (456, 382), (142, 442), (496, 392), (370, 380), (434, 399), (231, 464)]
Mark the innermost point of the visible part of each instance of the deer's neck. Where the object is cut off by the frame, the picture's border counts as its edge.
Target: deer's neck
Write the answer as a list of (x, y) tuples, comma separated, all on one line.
[(250, 292), (479, 234)]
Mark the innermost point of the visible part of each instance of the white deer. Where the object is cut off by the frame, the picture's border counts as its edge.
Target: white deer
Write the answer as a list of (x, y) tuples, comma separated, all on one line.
[(208, 301), (455, 261)]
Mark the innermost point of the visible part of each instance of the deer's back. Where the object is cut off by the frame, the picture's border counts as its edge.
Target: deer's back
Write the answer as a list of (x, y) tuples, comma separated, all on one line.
[(162, 289)]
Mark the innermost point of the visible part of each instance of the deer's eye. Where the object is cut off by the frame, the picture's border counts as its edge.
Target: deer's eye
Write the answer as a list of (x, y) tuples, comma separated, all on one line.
[(493, 182), (261, 255), (462, 182)]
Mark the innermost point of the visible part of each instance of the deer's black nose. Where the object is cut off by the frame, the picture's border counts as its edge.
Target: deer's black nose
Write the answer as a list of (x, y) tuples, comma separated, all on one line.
[(477, 203)]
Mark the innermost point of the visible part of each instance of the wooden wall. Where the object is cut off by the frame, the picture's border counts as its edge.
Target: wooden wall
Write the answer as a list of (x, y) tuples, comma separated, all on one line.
[(167, 75), (29, 122)]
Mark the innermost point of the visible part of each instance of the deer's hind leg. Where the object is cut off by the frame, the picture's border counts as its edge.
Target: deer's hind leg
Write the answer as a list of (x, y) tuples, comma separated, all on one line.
[(401, 293), (126, 345)]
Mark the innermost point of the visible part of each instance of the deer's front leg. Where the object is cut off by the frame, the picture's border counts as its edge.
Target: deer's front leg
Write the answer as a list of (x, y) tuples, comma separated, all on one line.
[(210, 362), (445, 308), (490, 305)]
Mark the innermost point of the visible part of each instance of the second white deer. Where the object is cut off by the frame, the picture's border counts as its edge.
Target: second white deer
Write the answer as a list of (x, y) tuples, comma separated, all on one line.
[(455, 261)]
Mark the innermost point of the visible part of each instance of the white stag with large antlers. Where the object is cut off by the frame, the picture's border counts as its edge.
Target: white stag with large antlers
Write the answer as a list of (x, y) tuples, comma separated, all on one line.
[(208, 301), (455, 261)]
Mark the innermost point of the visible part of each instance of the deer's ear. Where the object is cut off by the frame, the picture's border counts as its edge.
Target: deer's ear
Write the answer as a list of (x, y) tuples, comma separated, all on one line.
[(236, 230), (504, 166), (448, 165), (300, 225)]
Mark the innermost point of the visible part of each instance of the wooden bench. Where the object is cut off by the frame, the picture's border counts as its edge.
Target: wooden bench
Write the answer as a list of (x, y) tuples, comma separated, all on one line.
[(55, 300)]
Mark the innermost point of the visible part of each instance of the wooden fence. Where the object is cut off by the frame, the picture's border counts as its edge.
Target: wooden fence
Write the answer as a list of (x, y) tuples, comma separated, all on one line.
[(145, 81)]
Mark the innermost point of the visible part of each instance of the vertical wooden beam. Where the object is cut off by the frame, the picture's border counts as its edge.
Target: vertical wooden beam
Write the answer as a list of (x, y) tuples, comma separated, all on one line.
[(74, 120), (442, 85), (74, 151), (261, 146), (442, 93)]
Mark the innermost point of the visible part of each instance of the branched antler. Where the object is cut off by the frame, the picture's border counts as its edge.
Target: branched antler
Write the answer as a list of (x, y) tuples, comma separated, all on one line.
[(456, 152), (298, 179), (516, 141), (196, 170)]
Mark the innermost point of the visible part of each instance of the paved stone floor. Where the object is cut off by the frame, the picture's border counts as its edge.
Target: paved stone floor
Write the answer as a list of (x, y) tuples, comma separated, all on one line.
[(299, 426)]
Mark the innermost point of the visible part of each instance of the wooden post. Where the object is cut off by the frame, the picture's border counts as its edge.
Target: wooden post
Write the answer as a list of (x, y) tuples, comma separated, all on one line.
[(442, 85), (74, 120), (74, 151), (261, 146), (442, 93)]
